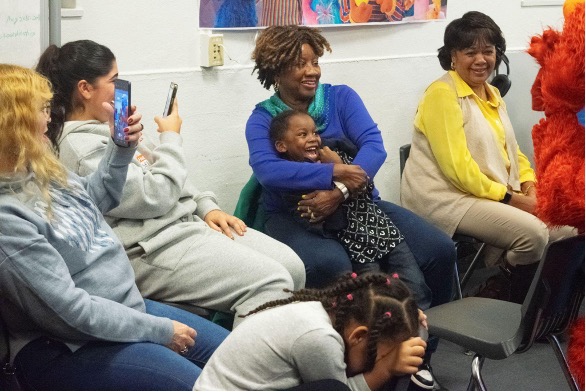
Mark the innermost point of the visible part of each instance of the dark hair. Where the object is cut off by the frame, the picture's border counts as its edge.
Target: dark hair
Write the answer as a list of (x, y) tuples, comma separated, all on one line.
[(383, 303), (280, 123), (464, 32), (279, 47), (65, 67)]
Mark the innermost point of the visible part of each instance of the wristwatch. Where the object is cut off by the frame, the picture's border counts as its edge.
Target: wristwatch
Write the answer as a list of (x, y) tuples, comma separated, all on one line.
[(342, 188), (507, 198)]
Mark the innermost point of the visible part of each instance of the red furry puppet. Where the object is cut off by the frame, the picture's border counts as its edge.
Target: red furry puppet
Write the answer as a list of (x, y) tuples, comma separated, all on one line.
[(558, 139)]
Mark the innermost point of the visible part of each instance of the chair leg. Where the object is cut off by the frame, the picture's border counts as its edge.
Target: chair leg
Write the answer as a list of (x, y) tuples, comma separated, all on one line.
[(457, 280), (472, 267), (557, 349), (476, 380)]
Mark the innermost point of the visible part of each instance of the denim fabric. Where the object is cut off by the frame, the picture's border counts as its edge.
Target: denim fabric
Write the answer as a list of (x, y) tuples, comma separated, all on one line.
[(434, 251), (47, 364)]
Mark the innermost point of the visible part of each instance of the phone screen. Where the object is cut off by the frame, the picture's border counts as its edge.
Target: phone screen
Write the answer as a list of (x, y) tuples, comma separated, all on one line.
[(170, 99), (121, 108)]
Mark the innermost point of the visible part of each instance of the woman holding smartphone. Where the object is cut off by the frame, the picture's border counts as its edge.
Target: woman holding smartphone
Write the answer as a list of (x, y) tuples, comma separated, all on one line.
[(182, 246), (75, 317)]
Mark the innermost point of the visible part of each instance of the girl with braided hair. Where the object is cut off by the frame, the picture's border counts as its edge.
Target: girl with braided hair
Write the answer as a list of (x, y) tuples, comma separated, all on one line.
[(361, 331)]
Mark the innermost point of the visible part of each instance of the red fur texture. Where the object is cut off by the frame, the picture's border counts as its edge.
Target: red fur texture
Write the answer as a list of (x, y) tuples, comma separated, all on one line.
[(576, 352), (558, 141)]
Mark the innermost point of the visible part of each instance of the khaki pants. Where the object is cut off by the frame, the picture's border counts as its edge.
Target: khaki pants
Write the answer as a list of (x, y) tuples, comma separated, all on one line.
[(504, 228)]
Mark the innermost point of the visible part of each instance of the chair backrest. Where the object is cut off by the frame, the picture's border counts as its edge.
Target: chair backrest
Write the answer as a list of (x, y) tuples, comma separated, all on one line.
[(403, 155), (556, 293)]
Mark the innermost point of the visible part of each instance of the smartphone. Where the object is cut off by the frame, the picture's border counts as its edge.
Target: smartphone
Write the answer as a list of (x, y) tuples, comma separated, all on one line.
[(170, 99), (121, 111)]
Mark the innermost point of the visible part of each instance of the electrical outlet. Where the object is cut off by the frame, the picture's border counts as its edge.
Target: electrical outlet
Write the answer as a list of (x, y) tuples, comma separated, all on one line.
[(212, 50)]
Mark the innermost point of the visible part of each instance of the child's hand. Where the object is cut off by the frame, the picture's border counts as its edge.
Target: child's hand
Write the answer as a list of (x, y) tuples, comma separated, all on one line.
[(405, 358), (402, 358), (409, 356), (326, 155)]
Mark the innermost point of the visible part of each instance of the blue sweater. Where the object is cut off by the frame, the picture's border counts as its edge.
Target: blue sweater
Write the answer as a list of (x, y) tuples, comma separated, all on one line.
[(347, 118), (68, 277)]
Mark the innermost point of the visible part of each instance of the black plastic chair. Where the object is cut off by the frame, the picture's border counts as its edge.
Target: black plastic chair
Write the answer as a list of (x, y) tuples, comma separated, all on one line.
[(459, 239), (496, 329)]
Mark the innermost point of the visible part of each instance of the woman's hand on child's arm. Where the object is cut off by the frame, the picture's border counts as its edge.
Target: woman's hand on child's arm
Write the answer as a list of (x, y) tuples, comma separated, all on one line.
[(318, 205), (352, 176), (172, 122), (225, 223), (327, 155)]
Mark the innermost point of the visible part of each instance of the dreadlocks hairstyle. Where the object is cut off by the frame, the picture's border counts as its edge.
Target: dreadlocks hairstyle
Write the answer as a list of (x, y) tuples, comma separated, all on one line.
[(278, 48), (382, 303)]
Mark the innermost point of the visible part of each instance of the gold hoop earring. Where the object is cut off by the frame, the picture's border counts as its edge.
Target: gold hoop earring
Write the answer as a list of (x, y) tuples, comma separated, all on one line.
[(276, 86), (452, 66)]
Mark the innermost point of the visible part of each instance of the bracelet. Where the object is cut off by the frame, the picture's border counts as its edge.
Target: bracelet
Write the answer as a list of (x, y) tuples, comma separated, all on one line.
[(527, 190), (342, 189)]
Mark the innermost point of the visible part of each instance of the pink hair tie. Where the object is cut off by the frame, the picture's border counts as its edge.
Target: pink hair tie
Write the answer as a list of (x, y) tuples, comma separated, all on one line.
[(353, 275), (387, 315), (350, 297), (395, 275), (388, 282)]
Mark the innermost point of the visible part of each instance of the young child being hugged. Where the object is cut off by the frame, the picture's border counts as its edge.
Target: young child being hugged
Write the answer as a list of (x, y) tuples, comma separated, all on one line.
[(361, 331), (364, 230)]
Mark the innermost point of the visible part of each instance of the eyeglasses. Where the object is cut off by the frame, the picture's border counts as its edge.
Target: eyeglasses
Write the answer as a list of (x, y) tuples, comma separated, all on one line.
[(46, 108)]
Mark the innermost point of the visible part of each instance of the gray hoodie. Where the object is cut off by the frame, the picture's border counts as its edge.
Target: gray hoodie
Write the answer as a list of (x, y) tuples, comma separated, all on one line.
[(157, 194), (67, 276)]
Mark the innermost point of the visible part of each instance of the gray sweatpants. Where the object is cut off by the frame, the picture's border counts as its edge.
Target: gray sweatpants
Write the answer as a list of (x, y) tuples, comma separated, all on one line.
[(208, 269)]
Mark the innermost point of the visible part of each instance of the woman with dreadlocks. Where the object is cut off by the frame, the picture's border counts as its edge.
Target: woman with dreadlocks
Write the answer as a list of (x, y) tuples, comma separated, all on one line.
[(287, 59), (361, 331)]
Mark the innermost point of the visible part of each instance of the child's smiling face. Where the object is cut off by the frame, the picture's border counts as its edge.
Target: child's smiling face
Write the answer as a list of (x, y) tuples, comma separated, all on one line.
[(300, 142)]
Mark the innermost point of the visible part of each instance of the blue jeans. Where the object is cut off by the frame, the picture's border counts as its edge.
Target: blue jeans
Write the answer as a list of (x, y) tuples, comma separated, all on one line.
[(48, 364), (433, 250)]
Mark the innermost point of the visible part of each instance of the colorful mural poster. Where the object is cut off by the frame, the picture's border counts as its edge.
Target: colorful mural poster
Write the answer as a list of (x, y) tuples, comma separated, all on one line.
[(239, 14)]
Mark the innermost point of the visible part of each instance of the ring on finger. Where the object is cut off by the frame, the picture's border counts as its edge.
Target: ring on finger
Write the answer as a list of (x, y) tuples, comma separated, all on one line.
[(313, 216), (184, 350)]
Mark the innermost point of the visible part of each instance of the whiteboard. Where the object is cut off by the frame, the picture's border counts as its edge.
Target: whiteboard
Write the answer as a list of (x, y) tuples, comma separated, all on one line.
[(24, 31)]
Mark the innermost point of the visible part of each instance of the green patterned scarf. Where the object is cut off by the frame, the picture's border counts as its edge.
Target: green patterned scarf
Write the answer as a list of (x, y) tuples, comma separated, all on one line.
[(318, 108)]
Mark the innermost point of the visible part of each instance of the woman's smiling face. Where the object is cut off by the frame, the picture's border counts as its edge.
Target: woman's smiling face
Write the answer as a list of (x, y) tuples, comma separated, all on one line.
[(475, 64), (298, 84)]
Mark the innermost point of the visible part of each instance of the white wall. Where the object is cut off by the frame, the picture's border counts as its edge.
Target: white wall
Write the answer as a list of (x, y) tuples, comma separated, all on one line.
[(157, 42)]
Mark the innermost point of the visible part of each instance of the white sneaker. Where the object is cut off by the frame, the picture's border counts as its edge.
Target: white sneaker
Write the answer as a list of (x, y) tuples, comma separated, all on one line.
[(424, 378)]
